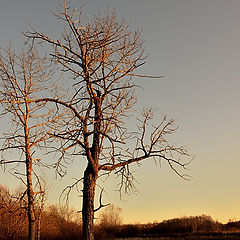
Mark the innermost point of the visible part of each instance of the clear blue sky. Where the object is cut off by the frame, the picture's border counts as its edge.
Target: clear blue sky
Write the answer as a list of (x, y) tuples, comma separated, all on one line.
[(196, 46)]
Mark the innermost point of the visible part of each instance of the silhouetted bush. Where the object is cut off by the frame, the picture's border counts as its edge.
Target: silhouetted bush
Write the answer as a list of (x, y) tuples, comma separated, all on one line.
[(231, 225), (187, 225)]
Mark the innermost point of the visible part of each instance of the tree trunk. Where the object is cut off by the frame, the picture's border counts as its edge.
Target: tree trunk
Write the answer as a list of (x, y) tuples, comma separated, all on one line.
[(38, 226), (30, 192), (30, 196), (89, 185)]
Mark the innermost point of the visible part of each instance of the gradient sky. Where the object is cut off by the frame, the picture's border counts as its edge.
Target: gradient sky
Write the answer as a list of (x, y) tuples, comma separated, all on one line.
[(196, 46)]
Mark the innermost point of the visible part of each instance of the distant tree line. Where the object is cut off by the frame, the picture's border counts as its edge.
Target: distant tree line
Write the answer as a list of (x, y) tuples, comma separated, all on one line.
[(188, 224), (181, 225)]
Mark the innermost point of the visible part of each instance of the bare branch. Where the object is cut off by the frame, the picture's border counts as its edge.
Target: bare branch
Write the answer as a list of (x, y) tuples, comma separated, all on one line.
[(67, 190), (101, 205)]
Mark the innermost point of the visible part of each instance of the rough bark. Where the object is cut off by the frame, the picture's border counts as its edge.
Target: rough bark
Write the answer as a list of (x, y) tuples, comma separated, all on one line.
[(90, 176), (38, 231), (89, 185)]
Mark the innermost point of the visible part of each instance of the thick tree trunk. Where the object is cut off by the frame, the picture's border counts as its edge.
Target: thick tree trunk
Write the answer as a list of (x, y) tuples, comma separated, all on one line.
[(89, 185), (91, 173)]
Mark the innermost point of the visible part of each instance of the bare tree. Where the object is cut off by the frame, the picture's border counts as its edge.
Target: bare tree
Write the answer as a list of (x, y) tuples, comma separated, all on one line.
[(23, 78), (102, 56)]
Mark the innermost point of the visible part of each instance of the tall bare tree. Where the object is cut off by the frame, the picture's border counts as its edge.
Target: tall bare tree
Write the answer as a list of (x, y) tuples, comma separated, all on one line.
[(23, 78), (102, 57)]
